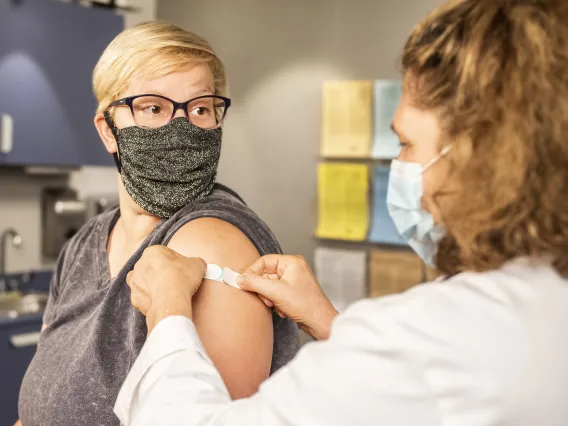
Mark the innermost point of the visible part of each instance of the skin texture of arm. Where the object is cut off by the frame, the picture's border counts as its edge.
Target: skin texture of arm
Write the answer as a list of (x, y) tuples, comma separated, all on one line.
[(234, 326)]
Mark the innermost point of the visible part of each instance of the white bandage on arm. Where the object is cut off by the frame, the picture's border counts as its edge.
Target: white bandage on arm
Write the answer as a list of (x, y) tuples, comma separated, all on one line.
[(223, 275)]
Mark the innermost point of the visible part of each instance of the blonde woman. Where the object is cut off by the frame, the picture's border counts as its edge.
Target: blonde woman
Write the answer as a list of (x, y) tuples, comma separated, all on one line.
[(479, 188), (162, 102)]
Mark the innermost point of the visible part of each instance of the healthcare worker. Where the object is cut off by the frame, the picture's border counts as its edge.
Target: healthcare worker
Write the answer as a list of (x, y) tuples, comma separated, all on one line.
[(479, 190)]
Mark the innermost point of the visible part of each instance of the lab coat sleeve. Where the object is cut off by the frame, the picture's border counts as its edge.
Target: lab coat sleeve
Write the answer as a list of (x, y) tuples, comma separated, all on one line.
[(361, 376)]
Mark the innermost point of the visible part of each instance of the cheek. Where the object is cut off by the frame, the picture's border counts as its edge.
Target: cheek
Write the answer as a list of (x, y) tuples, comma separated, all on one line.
[(438, 189), (430, 182), (123, 117), (431, 202), (437, 178)]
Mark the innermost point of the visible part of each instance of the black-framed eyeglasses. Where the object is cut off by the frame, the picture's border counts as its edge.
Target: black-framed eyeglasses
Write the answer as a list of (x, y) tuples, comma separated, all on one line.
[(153, 111)]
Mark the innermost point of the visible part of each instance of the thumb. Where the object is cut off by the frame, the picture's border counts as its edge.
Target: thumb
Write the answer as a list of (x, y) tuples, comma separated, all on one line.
[(270, 289)]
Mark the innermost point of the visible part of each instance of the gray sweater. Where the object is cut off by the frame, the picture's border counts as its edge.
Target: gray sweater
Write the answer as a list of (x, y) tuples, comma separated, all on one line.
[(93, 333)]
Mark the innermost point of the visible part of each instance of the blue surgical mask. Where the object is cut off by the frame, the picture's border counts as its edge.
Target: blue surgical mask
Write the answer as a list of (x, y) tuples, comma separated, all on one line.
[(404, 202)]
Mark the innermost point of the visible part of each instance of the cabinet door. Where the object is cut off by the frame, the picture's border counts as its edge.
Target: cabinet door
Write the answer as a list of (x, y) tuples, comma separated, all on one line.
[(17, 348), (48, 50)]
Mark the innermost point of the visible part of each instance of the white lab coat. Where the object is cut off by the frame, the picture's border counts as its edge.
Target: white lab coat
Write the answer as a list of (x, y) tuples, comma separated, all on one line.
[(474, 350)]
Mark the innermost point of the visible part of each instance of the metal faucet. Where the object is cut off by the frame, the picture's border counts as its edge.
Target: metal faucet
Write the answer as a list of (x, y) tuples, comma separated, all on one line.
[(15, 238)]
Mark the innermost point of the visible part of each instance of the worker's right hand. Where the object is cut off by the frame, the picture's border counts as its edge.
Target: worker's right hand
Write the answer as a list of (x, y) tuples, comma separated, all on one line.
[(288, 284)]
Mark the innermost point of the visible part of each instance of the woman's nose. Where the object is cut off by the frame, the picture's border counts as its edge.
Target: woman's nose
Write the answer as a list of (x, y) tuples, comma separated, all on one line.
[(180, 113)]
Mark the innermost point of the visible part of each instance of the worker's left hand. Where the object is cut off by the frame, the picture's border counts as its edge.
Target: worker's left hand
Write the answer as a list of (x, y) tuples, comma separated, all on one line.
[(163, 283), (288, 284)]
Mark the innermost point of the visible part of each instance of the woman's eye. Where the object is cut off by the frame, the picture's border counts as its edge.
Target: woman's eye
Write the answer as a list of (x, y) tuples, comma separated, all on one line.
[(199, 111), (154, 109)]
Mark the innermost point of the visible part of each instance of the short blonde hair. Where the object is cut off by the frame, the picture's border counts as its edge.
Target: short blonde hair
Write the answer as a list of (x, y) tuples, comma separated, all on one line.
[(151, 50), (495, 73)]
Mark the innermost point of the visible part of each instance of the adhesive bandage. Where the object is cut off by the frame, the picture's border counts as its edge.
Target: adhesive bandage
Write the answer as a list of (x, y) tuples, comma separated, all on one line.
[(223, 275)]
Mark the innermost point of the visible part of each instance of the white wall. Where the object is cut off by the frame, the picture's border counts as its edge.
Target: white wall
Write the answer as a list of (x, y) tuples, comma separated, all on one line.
[(277, 54)]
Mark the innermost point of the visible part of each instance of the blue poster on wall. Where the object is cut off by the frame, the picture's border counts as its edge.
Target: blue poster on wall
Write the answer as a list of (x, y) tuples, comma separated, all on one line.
[(387, 95), (383, 229)]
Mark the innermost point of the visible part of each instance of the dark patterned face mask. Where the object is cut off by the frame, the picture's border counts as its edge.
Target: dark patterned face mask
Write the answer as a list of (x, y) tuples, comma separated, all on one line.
[(165, 169)]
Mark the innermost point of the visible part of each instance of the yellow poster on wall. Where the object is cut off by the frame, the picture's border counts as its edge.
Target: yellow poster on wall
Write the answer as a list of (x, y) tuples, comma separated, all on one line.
[(343, 195), (347, 123)]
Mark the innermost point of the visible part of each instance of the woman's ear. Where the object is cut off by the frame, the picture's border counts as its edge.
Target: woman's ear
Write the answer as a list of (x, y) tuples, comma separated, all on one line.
[(105, 133)]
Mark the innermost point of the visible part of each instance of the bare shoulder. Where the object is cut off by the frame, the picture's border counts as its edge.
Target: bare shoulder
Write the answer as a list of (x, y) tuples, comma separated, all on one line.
[(215, 241), (234, 326)]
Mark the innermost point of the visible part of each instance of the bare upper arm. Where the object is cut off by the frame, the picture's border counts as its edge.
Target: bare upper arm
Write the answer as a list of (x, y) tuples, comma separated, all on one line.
[(234, 326)]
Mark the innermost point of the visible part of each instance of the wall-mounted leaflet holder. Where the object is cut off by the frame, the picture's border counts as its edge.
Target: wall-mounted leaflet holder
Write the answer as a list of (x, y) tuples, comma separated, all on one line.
[(6, 133)]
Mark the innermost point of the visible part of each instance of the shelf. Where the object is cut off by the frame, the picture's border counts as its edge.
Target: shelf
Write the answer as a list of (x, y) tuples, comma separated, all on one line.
[(366, 243), (373, 161)]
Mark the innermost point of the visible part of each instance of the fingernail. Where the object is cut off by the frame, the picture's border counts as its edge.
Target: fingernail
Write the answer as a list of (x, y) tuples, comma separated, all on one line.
[(241, 279)]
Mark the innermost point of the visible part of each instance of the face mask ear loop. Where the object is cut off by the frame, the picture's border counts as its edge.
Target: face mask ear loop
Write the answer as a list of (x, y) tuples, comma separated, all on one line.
[(113, 129), (433, 161)]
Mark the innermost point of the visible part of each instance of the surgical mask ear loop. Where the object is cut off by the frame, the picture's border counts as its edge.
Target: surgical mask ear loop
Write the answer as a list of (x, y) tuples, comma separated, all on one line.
[(433, 161)]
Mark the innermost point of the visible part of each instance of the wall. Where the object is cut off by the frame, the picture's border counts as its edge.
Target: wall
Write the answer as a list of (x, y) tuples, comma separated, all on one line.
[(277, 54)]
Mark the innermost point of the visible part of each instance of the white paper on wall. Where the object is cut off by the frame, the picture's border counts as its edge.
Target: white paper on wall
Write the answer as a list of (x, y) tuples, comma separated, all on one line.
[(342, 275)]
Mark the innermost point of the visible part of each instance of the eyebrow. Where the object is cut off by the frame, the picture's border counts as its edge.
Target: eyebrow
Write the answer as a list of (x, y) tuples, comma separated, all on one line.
[(207, 91)]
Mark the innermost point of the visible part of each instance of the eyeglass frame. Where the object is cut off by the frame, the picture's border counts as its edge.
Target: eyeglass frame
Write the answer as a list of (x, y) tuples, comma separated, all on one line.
[(128, 101)]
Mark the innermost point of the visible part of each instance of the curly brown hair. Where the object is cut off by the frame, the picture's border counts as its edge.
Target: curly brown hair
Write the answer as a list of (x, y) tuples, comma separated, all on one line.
[(496, 74)]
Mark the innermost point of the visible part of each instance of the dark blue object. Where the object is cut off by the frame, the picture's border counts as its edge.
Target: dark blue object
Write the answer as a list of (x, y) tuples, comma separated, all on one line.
[(14, 361), (14, 364), (48, 50), (29, 282)]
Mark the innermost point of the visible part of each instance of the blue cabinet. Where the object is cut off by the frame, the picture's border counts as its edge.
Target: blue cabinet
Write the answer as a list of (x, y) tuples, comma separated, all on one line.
[(48, 50), (17, 348)]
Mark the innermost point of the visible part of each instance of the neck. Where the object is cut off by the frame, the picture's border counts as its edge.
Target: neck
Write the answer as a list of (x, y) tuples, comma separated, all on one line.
[(136, 223)]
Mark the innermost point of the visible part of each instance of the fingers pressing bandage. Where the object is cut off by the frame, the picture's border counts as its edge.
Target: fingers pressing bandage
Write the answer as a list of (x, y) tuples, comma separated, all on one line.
[(224, 275)]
